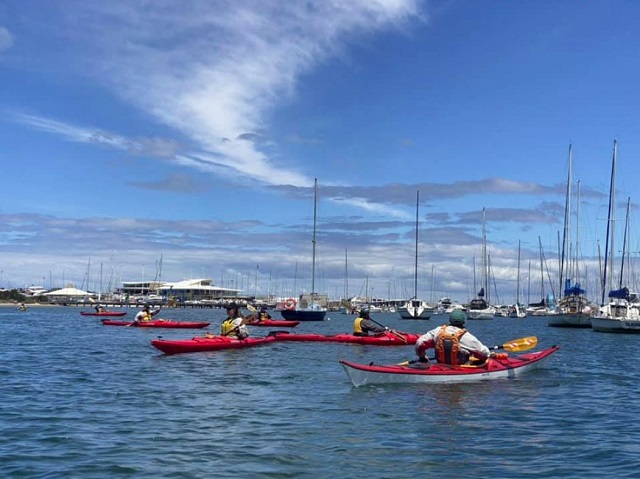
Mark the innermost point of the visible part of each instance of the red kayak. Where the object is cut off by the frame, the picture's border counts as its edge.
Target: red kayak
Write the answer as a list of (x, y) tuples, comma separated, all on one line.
[(386, 339), (157, 323), (507, 368), (104, 313), (199, 344), (275, 323)]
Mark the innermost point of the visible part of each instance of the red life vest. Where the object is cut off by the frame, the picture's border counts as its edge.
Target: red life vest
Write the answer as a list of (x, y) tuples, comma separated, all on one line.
[(448, 348)]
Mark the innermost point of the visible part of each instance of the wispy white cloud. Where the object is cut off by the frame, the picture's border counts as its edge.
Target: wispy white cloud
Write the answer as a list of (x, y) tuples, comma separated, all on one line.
[(215, 71), (154, 147), (6, 39)]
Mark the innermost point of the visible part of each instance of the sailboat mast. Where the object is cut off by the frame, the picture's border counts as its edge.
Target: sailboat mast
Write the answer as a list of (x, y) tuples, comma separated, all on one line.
[(518, 277), (313, 241), (624, 242), (541, 270), (609, 235), (485, 262), (567, 222), (576, 266), (346, 276), (415, 267)]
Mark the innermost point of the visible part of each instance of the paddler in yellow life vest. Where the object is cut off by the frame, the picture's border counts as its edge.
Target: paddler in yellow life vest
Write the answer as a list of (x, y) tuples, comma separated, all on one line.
[(453, 344), (263, 314), (145, 315), (363, 325), (234, 325)]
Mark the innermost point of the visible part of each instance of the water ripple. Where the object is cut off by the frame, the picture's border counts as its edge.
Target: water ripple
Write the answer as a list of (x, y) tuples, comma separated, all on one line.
[(86, 401)]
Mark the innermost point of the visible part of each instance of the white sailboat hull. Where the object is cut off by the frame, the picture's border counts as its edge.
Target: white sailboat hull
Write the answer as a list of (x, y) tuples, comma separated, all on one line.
[(618, 317), (486, 313), (416, 310), (570, 320)]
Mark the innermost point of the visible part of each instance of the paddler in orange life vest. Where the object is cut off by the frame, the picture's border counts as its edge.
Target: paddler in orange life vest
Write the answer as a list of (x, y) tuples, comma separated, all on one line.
[(234, 325), (453, 344), (363, 325)]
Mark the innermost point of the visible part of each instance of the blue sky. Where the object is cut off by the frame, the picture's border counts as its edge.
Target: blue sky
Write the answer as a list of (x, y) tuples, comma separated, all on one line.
[(192, 132)]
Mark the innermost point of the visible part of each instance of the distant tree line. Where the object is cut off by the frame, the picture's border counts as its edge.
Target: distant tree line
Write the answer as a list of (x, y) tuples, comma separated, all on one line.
[(17, 296)]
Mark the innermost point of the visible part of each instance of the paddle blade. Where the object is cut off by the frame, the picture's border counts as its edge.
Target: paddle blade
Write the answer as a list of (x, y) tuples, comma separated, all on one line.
[(521, 344), (398, 335), (252, 308)]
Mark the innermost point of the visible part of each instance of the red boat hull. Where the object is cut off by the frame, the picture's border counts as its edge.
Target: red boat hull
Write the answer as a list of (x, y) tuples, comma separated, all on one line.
[(104, 313), (387, 339), (511, 367), (275, 323), (158, 323), (199, 344)]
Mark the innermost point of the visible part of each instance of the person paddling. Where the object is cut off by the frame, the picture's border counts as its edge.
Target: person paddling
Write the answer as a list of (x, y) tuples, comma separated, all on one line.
[(234, 325), (453, 344), (145, 315), (263, 314), (363, 325)]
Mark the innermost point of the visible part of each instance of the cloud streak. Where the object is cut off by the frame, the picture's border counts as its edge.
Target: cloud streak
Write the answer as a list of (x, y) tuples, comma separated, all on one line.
[(6, 39), (215, 72)]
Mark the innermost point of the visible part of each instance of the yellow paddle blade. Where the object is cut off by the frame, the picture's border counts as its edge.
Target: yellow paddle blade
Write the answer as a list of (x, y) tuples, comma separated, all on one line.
[(521, 344)]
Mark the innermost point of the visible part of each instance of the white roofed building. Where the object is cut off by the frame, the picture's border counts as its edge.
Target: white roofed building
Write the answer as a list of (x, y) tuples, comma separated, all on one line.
[(182, 291)]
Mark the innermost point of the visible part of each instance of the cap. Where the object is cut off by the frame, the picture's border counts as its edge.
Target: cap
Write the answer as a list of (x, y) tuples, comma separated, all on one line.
[(232, 306), (457, 318)]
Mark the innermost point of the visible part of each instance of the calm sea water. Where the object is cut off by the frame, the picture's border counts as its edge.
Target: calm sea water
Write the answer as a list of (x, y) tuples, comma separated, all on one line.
[(82, 400)]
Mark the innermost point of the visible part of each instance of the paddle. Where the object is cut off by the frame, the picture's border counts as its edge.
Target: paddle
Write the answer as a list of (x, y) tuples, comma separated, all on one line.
[(520, 344), (256, 316), (401, 337), (515, 346), (253, 310)]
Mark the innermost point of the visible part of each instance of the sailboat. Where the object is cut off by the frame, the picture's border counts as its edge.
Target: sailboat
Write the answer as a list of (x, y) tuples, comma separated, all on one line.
[(415, 308), (307, 310), (547, 304), (516, 312), (479, 307), (574, 309), (345, 304), (621, 314)]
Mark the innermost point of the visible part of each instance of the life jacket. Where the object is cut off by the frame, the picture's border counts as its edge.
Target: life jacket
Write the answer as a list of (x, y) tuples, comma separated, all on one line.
[(448, 348), (147, 316), (227, 326), (357, 327), (264, 315)]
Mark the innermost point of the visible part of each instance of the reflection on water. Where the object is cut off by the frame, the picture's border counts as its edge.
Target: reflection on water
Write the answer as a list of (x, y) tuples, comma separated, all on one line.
[(84, 400)]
